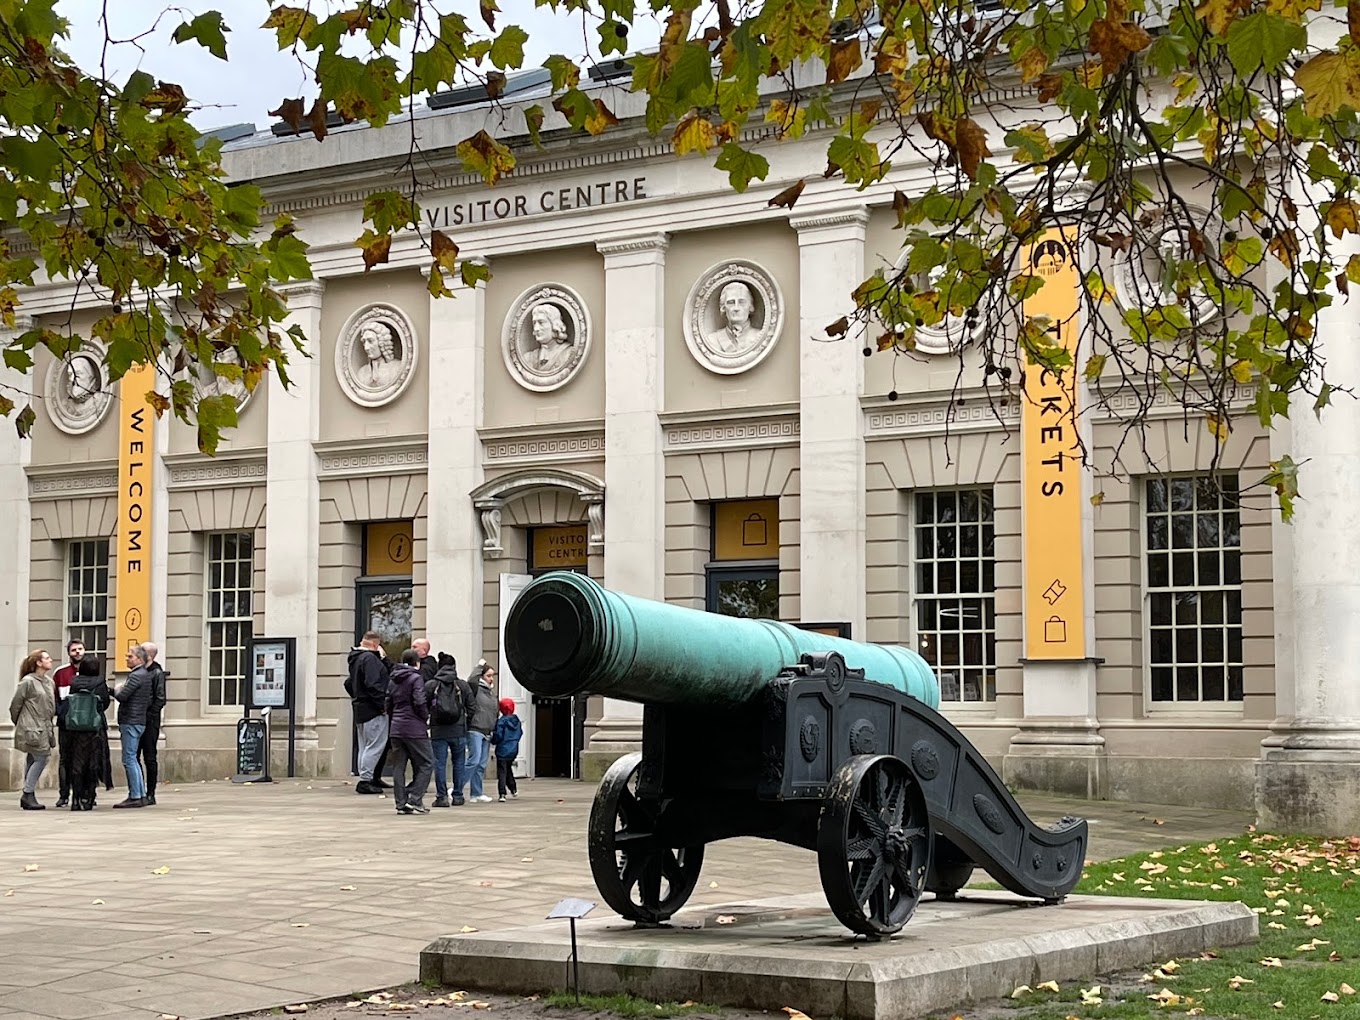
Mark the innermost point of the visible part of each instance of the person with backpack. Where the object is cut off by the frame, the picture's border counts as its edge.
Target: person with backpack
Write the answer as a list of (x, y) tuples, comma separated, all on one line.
[(451, 704), (505, 738), (85, 707)]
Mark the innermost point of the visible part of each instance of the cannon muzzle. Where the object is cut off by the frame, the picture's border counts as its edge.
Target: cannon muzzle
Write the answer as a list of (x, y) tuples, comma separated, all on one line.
[(567, 635)]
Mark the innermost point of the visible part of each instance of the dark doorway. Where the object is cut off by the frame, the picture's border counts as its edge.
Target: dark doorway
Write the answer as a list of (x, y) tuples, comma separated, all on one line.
[(383, 605)]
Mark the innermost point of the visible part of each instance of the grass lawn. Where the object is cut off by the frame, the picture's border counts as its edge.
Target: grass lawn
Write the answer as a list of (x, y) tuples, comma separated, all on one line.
[(1307, 963)]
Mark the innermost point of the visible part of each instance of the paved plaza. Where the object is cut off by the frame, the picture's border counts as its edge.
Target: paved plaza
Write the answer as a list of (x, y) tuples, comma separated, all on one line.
[(228, 898)]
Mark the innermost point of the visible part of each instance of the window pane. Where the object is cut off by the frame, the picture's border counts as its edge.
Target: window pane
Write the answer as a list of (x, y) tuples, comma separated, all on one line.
[(954, 550), (1197, 588), (229, 579)]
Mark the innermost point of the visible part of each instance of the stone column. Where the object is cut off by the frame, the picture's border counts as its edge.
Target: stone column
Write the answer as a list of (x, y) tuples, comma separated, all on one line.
[(634, 466), (831, 448), (14, 550), (292, 493), (1308, 775), (453, 558)]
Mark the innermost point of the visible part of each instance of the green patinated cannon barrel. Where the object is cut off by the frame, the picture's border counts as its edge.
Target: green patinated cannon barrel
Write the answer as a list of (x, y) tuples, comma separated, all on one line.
[(567, 635)]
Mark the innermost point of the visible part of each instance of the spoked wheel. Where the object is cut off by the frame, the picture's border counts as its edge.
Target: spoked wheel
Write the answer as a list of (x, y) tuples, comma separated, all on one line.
[(639, 876), (873, 844)]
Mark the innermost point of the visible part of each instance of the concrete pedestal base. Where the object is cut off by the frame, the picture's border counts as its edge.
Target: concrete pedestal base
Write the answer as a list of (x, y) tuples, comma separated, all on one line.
[(1315, 792), (792, 951), (595, 763)]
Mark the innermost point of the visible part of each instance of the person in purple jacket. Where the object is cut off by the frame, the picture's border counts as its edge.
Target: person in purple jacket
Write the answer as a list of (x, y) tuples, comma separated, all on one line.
[(409, 715)]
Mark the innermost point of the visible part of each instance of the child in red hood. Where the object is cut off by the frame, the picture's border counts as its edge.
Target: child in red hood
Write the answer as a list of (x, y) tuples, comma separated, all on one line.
[(505, 738)]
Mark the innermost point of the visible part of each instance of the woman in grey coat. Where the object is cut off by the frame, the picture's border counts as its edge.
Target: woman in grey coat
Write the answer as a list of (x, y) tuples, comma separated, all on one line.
[(33, 712)]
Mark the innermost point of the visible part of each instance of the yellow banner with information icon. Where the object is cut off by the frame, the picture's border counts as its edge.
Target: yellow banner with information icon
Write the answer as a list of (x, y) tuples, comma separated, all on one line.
[(136, 460), (1055, 602)]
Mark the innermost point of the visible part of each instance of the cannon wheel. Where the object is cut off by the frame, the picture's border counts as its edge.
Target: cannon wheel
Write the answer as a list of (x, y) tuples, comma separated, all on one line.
[(874, 845), (640, 878)]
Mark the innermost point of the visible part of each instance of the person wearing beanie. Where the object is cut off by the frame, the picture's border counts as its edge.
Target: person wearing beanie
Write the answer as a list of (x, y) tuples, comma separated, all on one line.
[(481, 724), (505, 738)]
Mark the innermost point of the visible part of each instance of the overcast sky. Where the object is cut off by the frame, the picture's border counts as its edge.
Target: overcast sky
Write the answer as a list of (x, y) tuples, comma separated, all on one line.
[(258, 76)]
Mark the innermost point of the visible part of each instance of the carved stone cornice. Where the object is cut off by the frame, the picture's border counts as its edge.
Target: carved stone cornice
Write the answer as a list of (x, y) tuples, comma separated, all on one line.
[(303, 293), (856, 217), (1162, 404), (936, 414), (542, 444), (693, 433), (224, 471), (630, 245), (362, 460), (490, 498), (64, 481)]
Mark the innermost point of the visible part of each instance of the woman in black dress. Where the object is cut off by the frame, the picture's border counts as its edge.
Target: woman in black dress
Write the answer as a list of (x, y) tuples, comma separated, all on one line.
[(87, 748)]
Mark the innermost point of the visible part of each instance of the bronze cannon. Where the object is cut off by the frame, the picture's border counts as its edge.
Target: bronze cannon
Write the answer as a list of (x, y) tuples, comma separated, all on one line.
[(758, 728)]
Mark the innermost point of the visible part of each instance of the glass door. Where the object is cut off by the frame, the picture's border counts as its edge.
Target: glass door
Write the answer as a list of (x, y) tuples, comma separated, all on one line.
[(383, 606)]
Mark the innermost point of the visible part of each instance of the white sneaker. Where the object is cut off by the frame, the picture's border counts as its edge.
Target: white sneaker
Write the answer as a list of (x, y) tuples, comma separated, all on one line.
[(483, 799)]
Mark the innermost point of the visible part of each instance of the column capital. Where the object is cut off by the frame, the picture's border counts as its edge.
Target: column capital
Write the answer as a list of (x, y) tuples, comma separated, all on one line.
[(636, 250), (303, 293), (830, 225), (22, 324)]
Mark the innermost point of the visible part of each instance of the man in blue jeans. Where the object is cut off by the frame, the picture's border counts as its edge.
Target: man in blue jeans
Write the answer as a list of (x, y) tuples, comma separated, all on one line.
[(134, 698), (451, 704)]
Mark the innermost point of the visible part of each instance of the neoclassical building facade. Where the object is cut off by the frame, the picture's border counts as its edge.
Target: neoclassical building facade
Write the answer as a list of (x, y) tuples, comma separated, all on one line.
[(644, 390)]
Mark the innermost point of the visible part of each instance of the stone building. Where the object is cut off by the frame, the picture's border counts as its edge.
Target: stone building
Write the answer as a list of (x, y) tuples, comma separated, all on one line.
[(644, 390)]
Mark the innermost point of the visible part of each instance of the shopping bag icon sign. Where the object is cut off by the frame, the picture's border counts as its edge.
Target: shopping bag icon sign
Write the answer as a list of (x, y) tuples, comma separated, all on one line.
[(1055, 630), (754, 531)]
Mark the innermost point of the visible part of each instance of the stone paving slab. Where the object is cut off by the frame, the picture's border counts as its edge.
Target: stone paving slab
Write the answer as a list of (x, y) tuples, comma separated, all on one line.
[(763, 954), (250, 866)]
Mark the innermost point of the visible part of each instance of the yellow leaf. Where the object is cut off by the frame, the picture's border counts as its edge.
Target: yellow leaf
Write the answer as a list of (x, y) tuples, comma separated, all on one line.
[(1241, 372), (1020, 991), (467, 929), (795, 1014), (1171, 966), (1218, 428), (164, 869), (1330, 997), (693, 134), (602, 118), (1329, 82), (1238, 981), (1049, 986), (1294, 10), (30, 867), (843, 60), (1271, 961), (1343, 215), (1278, 1005), (1346, 989), (1218, 15), (1313, 921), (97, 903), (1033, 63)]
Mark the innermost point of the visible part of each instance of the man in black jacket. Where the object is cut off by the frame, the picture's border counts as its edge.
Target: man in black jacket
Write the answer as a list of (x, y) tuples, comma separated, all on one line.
[(147, 749), (429, 665), (367, 689), (452, 704), (133, 697)]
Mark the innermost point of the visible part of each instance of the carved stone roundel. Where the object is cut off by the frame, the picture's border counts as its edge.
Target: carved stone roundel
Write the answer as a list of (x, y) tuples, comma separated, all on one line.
[(376, 354), (733, 317), (952, 332), (1142, 275), (209, 384), (546, 337), (77, 390)]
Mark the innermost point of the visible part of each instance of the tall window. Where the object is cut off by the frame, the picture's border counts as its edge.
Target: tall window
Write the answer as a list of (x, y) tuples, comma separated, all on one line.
[(1194, 588), (954, 596), (87, 594), (230, 579)]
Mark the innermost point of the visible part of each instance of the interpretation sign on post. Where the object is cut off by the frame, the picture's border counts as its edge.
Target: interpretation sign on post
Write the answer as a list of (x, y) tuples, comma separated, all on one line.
[(1055, 610), (273, 666)]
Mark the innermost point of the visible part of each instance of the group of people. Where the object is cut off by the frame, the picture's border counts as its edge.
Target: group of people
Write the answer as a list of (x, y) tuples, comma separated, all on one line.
[(421, 713), (64, 710)]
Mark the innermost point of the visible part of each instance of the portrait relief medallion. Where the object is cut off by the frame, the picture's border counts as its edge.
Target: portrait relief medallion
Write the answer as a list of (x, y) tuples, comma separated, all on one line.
[(733, 317), (375, 356), (1144, 275), (546, 337), (77, 390), (208, 383), (951, 333)]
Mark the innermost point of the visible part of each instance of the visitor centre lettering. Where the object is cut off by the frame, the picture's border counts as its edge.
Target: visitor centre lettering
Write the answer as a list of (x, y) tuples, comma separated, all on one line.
[(549, 200)]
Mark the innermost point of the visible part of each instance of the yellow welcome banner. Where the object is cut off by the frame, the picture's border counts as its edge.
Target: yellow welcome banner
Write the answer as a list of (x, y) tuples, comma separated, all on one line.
[(1055, 597), (136, 456)]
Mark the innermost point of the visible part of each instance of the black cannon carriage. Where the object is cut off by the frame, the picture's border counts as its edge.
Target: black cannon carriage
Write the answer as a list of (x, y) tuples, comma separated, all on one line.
[(756, 728)]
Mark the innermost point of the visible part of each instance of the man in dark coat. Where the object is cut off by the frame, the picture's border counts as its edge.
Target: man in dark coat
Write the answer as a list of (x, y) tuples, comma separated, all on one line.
[(148, 748), (134, 697), (367, 689), (428, 664)]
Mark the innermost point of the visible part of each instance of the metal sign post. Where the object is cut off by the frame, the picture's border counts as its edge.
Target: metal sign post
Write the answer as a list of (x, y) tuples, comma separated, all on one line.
[(273, 668), (572, 909)]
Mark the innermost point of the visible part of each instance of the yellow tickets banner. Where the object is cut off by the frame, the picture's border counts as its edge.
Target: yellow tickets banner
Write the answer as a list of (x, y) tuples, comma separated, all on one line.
[(1055, 602), (136, 457)]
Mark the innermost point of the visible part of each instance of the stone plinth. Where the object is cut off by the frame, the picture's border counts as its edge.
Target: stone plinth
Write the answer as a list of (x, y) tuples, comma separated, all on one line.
[(793, 952)]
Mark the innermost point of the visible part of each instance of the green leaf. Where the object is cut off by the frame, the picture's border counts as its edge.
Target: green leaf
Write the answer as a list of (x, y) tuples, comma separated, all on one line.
[(19, 360), (533, 121), (565, 73), (1283, 477), (291, 24), (742, 167), (508, 49), (208, 30), (23, 422), (289, 260), (1263, 40), (473, 273)]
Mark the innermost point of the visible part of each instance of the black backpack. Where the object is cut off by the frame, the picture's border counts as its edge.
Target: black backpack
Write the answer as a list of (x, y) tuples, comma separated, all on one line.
[(448, 703)]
